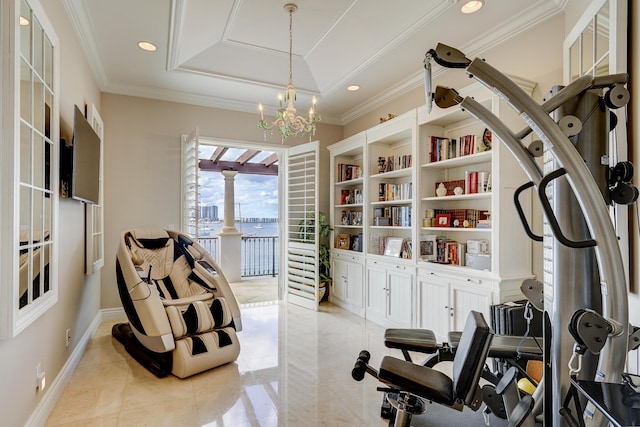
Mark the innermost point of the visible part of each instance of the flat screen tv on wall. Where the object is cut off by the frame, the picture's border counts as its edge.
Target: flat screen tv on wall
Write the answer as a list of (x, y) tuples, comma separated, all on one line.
[(80, 162)]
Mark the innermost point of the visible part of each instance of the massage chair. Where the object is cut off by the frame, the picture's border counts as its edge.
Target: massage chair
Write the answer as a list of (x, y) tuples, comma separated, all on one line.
[(183, 316)]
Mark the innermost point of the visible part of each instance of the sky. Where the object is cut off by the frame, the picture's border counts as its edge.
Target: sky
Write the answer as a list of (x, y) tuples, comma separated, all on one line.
[(257, 194)]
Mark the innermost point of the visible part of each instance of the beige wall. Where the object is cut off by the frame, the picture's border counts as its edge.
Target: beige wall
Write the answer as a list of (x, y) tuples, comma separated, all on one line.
[(142, 163), (79, 296)]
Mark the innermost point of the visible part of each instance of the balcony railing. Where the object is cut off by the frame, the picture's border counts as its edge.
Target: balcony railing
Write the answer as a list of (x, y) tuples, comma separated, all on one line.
[(259, 255)]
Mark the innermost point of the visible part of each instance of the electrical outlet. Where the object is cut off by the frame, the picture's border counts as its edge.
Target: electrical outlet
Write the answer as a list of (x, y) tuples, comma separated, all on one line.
[(67, 337)]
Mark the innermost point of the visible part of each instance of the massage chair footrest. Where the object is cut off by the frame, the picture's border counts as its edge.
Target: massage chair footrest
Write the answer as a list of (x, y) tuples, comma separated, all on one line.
[(205, 351)]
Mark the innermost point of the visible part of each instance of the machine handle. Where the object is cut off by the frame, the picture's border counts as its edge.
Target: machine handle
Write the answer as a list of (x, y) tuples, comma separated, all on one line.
[(553, 222), (360, 367), (523, 218)]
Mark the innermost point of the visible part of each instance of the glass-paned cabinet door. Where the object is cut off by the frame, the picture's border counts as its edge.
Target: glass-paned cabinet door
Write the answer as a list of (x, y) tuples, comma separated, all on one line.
[(94, 233), (29, 215)]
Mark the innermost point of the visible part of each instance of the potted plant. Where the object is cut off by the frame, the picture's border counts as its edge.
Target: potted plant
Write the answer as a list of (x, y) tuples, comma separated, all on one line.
[(324, 254)]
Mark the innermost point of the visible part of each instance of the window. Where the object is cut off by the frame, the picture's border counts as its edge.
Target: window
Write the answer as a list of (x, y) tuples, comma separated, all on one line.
[(28, 217), (94, 213)]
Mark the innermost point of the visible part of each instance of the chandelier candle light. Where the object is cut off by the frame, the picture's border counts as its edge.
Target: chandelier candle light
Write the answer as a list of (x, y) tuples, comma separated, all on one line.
[(286, 120)]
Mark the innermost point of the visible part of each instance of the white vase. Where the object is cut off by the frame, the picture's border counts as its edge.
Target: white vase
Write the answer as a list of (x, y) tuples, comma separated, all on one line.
[(441, 191)]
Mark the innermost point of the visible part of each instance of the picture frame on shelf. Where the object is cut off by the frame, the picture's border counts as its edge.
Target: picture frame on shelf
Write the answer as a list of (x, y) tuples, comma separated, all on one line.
[(393, 247), (443, 220), (428, 245), (356, 243), (342, 241)]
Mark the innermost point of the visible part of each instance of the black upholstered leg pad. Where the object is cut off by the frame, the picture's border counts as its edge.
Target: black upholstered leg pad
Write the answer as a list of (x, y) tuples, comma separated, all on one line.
[(197, 346), (419, 380), (190, 317), (217, 312), (223, 338)]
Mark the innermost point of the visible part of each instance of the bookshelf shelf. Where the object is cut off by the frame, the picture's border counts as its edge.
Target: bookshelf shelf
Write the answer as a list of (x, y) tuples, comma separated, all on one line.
[(456, 229), (461, 197), (391, 202), (392, 174), (468, 160), (349, 182)]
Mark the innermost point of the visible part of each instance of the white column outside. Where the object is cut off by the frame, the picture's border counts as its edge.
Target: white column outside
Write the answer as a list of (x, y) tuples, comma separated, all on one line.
[(230, 237)]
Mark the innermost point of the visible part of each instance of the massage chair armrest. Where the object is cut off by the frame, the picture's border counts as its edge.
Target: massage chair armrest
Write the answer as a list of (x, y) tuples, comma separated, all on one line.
[(207, 275)]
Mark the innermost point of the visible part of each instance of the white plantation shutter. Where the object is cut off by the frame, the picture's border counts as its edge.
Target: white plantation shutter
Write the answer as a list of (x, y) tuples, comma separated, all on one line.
[(190, 208), (301, 233)]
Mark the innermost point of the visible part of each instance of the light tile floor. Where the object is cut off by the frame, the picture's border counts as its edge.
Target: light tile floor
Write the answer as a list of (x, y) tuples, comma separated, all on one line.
[(294, 369)]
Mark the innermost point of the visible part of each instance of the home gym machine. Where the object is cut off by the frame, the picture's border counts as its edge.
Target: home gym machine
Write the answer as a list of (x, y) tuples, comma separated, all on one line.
[(586, 331)]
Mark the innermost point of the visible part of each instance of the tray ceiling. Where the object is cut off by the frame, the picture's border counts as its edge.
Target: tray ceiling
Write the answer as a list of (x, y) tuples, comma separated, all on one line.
[(234, 53)]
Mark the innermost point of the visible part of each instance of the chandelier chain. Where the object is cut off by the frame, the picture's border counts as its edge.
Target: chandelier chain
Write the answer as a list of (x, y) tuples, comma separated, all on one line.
[(290, 46)]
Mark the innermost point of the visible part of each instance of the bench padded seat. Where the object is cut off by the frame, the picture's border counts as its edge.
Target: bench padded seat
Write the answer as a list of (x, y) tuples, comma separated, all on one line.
[(421, 340)]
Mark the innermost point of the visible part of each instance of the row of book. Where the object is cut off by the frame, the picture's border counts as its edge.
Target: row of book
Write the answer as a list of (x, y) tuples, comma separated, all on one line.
[(399, 216), (347, 172), (392, 163), (351, 196), (442, 250), (388, 191), (477, 182), (450, 148)]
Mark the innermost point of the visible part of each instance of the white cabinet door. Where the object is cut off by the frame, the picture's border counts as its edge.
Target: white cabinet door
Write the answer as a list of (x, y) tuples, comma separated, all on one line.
[(465, 298), (354, 284), (433, 306), (399, 285), (340, 277), (376, 292)]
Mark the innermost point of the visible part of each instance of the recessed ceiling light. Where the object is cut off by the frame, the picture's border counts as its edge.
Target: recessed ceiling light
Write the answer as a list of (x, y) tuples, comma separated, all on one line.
[(24, 21), (472, 6), (353, 88), (148, 46)]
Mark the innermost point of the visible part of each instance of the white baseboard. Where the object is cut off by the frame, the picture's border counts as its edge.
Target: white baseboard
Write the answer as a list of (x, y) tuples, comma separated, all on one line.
[(40, 415), (113, 314)]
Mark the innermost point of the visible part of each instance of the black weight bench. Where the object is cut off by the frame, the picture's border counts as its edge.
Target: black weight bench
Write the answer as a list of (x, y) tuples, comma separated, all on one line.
[(508, 348), (410, 385)]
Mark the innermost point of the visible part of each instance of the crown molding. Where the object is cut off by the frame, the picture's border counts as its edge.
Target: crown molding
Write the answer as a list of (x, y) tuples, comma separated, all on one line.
[(175, 31), (195, 99), (543, 10), (83, 29)]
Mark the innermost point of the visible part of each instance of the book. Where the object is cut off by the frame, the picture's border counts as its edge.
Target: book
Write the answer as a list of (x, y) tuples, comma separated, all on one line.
[(473, 182)]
